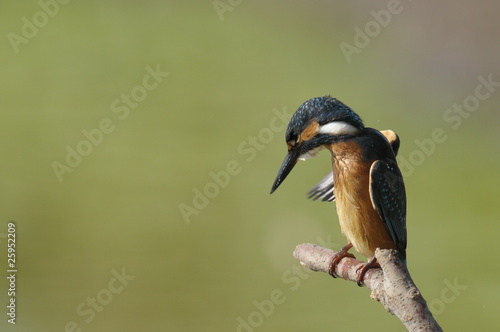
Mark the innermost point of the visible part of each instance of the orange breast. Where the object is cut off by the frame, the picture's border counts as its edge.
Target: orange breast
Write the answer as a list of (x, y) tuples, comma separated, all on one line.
[(359, 221)]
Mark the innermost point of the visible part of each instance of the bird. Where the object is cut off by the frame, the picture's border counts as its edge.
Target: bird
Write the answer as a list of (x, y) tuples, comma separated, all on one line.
[(365, 181)]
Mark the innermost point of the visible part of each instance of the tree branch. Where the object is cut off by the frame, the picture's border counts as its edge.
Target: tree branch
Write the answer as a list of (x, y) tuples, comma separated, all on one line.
[(391, 285)]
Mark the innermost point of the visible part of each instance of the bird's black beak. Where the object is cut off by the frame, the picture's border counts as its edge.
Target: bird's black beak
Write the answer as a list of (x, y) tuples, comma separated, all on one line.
[(287, 166)]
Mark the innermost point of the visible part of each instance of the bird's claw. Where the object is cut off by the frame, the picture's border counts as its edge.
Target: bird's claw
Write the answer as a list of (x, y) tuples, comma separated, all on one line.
[(361, 271), (338, 257)]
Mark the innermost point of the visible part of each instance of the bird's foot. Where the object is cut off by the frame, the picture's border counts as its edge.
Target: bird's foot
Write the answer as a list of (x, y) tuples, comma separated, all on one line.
[(361, 271), (338, 257)]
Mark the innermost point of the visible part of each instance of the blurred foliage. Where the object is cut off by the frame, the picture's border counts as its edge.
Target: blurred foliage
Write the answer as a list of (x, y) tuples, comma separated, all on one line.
[(119, 208)]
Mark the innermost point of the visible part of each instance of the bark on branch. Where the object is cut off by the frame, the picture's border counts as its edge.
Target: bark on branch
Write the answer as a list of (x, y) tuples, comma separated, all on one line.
[(391, 285)]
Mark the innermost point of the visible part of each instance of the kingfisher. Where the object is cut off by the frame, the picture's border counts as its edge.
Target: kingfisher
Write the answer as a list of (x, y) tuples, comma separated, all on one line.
[(366, 182)]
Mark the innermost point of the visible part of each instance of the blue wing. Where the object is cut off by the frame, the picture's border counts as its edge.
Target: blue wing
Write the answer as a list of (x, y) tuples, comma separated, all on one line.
[(387, 192)]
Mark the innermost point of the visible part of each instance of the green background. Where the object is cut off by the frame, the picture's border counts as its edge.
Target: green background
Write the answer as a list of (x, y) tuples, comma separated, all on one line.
[(119, 208)]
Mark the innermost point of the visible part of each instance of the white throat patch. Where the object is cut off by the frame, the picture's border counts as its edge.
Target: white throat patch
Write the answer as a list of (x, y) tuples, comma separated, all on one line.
[(337, 128), (311, 154)]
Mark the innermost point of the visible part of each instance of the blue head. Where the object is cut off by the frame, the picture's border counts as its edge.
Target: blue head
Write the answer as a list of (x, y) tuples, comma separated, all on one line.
[(318, 122)]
